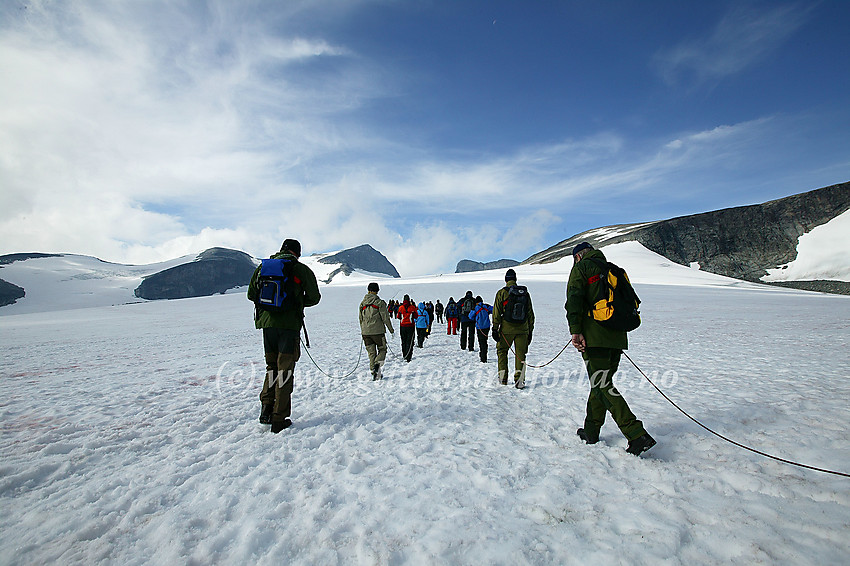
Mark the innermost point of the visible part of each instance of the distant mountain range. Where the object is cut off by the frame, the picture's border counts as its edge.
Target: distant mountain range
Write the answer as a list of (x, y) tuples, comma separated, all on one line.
[(36, 282), (742, 242), (468, 265), (759, 243)]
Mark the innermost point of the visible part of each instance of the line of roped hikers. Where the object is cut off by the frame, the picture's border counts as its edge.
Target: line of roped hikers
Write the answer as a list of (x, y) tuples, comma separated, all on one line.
[(470, 313), (512, 328)]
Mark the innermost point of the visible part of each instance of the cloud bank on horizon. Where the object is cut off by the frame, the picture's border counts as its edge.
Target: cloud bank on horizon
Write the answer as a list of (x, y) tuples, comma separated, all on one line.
[(143, 131)]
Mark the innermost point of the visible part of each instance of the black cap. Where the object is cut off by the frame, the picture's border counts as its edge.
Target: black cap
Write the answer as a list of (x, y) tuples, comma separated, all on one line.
[(510, 275), (293, 246), (373, 287), (582, 246)]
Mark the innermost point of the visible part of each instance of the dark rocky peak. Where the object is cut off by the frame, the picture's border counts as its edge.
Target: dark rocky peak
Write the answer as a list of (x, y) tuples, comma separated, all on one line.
[(364, 258), (213, 271)]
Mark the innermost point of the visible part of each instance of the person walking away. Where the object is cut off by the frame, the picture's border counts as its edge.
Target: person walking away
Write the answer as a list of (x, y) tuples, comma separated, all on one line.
[(374, 322), (429, 306), (601, 349), (481, 316), (467, 327), (423, 321), (407, 316), (513, 325), (438, 310), (281, 316), (451, 317)]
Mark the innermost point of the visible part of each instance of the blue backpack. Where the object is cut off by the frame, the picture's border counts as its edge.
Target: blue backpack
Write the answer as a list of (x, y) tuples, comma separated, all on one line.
[(278, 285)]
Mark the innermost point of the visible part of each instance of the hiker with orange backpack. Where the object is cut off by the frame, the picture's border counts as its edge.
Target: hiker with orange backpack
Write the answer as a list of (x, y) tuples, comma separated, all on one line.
[(601, 347)]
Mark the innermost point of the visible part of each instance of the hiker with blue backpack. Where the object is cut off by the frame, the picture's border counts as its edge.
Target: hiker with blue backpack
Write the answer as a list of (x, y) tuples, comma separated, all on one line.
[(423, 323), (451, 317), (280, 288), (481, 316)]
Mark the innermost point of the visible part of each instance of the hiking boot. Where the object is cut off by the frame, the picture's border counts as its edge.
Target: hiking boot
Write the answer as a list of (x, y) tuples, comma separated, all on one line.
[(588, 438), (640, 444), (278, 426), (266, 414), (520, 384)]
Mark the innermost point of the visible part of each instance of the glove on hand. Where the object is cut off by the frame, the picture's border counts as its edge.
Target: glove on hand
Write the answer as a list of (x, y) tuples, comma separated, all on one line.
[(496, 334)]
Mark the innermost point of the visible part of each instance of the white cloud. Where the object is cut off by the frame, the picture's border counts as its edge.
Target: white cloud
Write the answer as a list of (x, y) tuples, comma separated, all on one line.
[(142, 131), (742, 38)]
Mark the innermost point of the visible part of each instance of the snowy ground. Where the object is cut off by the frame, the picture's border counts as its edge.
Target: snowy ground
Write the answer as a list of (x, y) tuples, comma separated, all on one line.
[(129, 436)]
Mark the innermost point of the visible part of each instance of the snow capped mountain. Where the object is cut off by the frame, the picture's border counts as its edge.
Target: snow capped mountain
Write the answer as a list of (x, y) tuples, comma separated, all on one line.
[(66, 281), (801, 237)]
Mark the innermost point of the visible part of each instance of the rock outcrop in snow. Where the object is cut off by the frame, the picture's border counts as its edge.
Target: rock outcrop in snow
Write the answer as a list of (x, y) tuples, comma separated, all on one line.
[(214, 271)]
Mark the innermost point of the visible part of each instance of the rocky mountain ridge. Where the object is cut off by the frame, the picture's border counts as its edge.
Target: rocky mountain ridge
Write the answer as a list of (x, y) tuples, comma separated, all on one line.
[(363, 257), (213, 271), (468, 265), (741, 242)]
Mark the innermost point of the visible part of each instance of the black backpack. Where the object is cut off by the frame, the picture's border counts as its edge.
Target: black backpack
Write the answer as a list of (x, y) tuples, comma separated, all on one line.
[(278, 285), (617, 305), (466, 306), (516, 306)]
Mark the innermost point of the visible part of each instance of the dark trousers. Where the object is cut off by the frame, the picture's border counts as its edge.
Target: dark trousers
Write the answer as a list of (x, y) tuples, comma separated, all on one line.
[(483, 336), (407, 334), (440, 317), (282, 350), (467, 335), (421, 334), (602, 364)]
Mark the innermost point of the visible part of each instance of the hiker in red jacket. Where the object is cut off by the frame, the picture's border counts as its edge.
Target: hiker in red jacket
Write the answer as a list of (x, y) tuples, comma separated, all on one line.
[(407, 315)]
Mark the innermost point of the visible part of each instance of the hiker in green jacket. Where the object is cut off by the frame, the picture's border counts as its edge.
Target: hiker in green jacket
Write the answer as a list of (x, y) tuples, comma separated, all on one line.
[(507, 333), (601, 349), (374, 321), (282, 336)]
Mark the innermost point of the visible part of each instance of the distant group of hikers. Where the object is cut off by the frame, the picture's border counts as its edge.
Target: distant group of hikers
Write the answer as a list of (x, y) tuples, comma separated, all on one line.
[(281, 287), (472, 311)]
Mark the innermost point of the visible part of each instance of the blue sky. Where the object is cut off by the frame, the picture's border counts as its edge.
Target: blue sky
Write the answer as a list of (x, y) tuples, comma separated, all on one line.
[(434, 130)]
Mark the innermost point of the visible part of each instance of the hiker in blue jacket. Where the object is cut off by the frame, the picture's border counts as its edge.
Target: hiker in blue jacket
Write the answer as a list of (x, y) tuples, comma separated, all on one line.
[(481, 316), (423, 321)]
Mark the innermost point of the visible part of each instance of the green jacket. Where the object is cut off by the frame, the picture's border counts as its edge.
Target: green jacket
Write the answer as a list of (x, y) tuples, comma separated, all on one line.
[(309, 296), (580, 298), (504, 326), (374, 317)]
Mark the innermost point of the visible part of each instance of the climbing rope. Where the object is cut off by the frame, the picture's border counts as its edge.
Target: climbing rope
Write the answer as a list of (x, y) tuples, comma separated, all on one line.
[(729, 440), (511, 346), (323, 372)]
